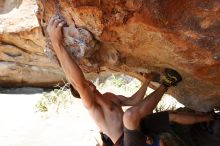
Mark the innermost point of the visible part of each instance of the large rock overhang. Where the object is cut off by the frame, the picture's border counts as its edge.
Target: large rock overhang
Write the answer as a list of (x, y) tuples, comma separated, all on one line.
[(141, 36)]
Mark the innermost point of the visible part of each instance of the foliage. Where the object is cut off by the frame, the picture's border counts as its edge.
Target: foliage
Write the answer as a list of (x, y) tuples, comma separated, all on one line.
[(118, 84), (118, 81), (164, 106), (56, 98)]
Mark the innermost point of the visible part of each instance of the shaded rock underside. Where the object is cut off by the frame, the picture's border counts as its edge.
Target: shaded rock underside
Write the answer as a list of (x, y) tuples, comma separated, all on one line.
[(140, 36)]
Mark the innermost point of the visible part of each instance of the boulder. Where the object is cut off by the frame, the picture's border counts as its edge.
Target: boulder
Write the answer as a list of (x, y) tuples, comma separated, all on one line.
[(140, 36), (22, 58), (132, 36)]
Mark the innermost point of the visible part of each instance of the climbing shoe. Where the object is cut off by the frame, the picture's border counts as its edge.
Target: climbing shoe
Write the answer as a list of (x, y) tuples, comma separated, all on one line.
[(170, 78)]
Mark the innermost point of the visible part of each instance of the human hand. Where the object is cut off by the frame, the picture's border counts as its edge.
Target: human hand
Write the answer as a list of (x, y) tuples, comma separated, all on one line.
[(152, 76), (54, 30), (148, 76)]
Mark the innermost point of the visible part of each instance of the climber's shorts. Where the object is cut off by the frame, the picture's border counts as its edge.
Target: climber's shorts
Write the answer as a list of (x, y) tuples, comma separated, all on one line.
[(151, 125)]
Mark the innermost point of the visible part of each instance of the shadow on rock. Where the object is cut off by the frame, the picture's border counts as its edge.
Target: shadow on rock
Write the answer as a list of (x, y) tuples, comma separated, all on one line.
[(24, 90)]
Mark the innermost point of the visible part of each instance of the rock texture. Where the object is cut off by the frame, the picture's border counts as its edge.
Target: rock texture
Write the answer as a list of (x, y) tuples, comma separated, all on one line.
[(22, 58), (78, 41), (148, 35), (133, 36)]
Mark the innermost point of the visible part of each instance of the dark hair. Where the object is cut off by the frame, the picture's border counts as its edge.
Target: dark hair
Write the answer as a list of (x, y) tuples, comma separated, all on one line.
[(74, 92), (106, 140), (169, 139)]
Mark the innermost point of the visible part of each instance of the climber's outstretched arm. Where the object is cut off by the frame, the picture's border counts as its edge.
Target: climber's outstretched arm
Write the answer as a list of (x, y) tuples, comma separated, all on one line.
[(72, 71)]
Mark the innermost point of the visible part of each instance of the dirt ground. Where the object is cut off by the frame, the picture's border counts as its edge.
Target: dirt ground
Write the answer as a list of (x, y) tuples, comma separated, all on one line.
[(21, 125)]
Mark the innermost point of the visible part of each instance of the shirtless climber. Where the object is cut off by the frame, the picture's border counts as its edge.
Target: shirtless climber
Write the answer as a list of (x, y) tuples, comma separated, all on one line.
[(106, 109)]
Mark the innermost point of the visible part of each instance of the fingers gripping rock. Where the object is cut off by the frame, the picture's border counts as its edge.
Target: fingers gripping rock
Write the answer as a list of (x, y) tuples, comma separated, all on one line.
[(78, 41)]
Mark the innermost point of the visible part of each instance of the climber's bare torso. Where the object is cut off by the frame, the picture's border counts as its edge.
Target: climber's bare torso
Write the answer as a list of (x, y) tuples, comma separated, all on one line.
[(107, 114)]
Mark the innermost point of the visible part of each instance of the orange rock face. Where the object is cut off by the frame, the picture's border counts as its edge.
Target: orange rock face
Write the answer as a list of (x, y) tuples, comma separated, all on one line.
[(149, 35)]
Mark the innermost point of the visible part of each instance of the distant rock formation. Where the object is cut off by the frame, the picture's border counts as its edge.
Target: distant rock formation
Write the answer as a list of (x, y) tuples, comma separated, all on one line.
[(22, 58)]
